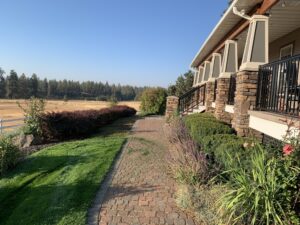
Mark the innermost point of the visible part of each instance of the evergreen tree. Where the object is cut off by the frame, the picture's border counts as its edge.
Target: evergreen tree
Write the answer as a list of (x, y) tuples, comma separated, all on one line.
[(2, 84), (23, 87), (12, 85), (33, 86)]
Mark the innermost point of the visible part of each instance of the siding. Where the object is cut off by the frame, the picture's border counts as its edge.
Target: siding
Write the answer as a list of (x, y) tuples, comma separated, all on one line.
[(293, 37)]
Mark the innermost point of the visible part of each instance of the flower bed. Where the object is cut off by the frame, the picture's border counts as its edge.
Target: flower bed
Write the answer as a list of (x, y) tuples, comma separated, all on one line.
[(257, 184)]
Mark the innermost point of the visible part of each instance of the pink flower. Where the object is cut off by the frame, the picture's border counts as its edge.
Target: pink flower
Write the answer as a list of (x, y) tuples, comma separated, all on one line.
[(287, 150)]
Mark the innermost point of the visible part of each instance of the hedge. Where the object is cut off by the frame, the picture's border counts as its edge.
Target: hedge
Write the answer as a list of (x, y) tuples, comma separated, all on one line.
[(204, 124), (217, 139), (66, 125)]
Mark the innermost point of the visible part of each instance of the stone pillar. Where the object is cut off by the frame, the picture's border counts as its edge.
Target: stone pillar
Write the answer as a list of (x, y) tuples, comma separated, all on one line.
[(209, 96), (229, 68), (222, 99), (172, 106), (245, 99)]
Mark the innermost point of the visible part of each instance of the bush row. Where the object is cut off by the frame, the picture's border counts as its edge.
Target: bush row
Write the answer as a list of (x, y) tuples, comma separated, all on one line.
[(76, 124)]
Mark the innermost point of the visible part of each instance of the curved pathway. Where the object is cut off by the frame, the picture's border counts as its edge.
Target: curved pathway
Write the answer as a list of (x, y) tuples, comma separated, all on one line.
[(140, 190)]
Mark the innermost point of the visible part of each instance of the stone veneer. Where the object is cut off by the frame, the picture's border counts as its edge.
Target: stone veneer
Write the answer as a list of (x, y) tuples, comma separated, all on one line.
[(209, 96), (172, 106), (245, 99), (222, 99)]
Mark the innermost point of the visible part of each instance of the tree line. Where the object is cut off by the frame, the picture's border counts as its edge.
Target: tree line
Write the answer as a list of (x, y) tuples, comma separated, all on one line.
[(13, 86)]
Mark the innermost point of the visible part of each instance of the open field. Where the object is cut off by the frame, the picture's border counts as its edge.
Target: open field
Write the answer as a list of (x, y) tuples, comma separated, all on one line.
[(10, 110)]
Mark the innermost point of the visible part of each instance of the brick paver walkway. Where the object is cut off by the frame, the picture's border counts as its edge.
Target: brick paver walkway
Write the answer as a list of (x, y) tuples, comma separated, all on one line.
[(141, 191)]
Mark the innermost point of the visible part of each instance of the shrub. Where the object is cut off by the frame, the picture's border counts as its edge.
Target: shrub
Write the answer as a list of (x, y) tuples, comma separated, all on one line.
[(66, 125), (188, 165), (9, 154), (204, 128), (33, 110), (153, 101), (204, 124), (264, 194)]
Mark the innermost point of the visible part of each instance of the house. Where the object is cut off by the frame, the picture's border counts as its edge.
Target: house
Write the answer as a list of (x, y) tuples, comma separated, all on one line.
[(247, 71)]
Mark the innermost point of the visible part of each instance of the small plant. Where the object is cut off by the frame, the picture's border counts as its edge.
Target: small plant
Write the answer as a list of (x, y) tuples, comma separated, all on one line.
[(153, 101), (201, 201), (187, 163), (266, 194), (113, 101), (66, 98), (9, 154), (33, 110)]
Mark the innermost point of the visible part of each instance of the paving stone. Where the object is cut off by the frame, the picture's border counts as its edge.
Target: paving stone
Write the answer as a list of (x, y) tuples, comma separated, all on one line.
[(141, 191)]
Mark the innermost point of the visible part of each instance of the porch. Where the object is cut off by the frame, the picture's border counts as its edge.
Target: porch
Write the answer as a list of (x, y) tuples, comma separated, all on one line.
[(232, 69)]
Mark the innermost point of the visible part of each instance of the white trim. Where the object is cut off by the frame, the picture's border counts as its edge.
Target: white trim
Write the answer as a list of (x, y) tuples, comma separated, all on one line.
[(229, 109), (273, 129), (201, 68), (229, 10), (247, 64), (225, 75), (225, 55), (213, 104)]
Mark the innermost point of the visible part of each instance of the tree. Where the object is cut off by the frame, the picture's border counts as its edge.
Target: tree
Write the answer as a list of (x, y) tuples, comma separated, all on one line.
[(183, 84), (33, 85), (23, 87), (12, 85), (2, 84), (153, 101)]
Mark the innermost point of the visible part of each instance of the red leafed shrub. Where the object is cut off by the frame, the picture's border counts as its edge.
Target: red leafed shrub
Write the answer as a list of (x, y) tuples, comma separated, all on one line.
[(67, 125)]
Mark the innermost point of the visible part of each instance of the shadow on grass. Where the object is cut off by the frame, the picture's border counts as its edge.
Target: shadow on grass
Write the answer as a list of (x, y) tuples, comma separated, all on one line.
[(35, 205)]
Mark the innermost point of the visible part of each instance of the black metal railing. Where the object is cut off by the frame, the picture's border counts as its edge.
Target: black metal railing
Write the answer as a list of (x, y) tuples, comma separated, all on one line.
[(278, 87), (192, 99), (232, 89), (215, 89)]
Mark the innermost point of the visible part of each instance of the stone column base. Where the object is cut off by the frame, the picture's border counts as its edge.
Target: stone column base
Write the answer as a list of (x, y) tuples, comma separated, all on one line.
[(172, 106), (209, 96), (222, 99), (245, 99)]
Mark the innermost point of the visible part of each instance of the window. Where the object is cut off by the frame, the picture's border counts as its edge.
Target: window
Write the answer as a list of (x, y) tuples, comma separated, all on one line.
[(286, 51)]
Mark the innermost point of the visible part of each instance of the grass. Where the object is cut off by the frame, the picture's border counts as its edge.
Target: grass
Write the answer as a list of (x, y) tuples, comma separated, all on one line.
[(58, 184)]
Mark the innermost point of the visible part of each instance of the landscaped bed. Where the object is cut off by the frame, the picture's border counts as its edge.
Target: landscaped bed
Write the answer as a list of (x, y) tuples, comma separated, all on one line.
[(58, 184), (226, 179)]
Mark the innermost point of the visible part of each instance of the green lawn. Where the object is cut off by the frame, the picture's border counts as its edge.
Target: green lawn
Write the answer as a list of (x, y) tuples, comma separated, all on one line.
[(57, 185)]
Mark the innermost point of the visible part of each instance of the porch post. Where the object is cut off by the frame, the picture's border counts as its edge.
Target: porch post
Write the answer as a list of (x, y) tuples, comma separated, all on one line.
[(215, 69), (200, 75), (195, 79), (256, 53), (229, 68)]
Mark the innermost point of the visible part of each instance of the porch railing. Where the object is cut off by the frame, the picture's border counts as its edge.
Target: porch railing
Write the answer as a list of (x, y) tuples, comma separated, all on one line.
[(232, 89), (278, 88), (192, 99)]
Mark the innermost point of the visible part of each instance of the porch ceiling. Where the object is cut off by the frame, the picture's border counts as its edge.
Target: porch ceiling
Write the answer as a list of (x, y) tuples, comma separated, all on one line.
[(283, 20)]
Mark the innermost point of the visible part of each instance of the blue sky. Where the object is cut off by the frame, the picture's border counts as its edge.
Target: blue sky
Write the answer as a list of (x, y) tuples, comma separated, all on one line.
[(137, 42)]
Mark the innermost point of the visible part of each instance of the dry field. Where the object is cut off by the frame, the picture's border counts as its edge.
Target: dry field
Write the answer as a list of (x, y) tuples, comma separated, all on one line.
[(10, 110)]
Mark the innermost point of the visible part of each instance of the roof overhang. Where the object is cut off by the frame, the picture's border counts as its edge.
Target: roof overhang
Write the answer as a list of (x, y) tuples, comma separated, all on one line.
[(227, 23)]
